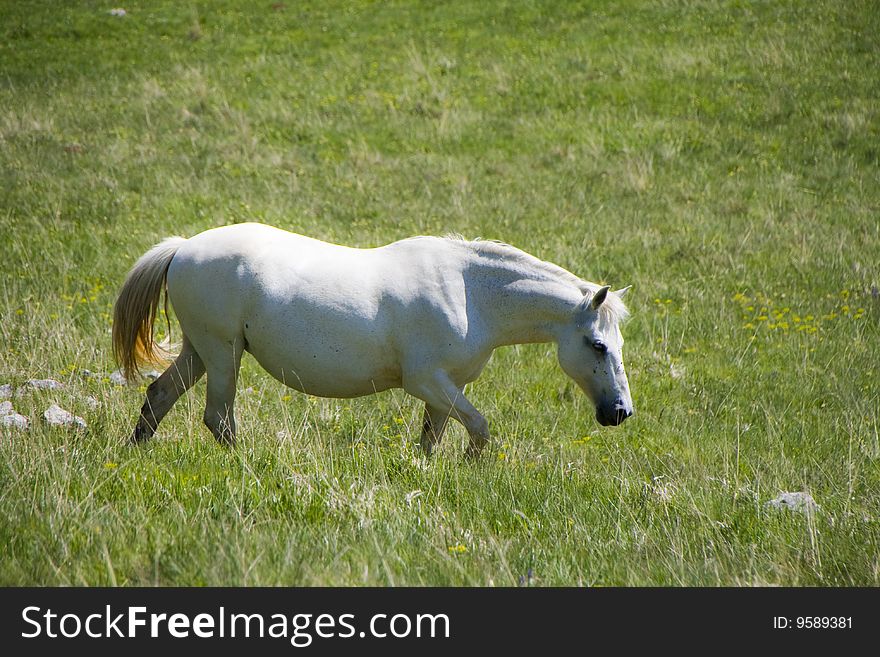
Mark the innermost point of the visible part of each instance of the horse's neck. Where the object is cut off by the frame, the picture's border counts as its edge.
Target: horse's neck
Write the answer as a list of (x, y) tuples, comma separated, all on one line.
[(524, 306)]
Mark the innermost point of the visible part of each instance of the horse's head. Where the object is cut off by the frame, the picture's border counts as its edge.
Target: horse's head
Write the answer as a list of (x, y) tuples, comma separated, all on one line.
[(590, 353)]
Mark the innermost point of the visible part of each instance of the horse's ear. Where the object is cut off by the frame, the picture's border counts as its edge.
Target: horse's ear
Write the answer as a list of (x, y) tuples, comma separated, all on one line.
[(599, 296), (622, 291), (590, 303)]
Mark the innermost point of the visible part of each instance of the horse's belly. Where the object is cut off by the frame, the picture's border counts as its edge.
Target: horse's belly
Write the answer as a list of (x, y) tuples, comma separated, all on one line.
[(323, 366), (326, 376)]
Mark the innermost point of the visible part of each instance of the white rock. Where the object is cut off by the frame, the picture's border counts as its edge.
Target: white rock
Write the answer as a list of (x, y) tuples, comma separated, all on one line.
[(119, 379), (92, 403), (9, 418), (45, 384), (800, 501), (14, 421), (39, 384), (5, 391), (58, 417)]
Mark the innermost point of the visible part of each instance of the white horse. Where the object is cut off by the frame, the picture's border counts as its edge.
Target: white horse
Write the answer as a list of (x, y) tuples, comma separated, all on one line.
[(423, 314)]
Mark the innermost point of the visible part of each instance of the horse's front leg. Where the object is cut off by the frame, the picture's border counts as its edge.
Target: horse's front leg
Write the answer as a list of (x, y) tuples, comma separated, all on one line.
[(441, 395), (433, 427), (478, 432)]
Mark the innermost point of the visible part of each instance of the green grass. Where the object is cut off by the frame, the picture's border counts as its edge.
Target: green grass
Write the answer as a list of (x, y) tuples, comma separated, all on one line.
[(722, 157)]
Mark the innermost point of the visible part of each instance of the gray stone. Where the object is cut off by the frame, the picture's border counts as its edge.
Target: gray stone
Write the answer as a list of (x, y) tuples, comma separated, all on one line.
[(14, 421), (92, 403), (802, 502), (119, 379), (58, 417), (9, 418), (5, 391), (45, 384), (39, 384)]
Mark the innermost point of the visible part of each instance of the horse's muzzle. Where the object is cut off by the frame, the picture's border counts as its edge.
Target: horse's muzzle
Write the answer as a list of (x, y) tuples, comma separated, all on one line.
[(616, 414)]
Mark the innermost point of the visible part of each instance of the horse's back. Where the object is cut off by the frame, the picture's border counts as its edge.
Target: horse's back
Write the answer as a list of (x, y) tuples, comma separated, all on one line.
[(249, 244), (256, 259)]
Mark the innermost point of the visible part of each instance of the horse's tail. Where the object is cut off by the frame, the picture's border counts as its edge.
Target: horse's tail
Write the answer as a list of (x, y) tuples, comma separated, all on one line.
[(136, 308)]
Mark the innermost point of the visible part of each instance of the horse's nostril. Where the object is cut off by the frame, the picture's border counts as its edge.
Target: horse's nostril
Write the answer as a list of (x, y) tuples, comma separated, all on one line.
[(621, 413), (614, 414)]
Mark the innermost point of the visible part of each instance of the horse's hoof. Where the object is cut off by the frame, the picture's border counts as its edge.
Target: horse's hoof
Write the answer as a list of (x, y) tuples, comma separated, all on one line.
[(140, 435)]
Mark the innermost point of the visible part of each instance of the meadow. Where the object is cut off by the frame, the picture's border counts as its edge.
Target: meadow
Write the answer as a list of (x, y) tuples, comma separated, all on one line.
[(721, 157)]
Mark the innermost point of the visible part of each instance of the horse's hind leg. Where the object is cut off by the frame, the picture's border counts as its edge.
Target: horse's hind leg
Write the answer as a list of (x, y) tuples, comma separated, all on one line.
[(222, 362), (167, 389)]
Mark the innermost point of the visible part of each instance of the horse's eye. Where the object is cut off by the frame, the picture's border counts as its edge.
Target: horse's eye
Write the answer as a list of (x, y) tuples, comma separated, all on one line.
[(598, 345)]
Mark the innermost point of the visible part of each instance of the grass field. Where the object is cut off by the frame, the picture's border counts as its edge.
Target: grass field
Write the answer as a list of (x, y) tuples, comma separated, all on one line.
[(721, 157)]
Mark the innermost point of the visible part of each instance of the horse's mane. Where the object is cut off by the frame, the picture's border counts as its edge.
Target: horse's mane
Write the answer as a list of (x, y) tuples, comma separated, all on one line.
[(613, 309)]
